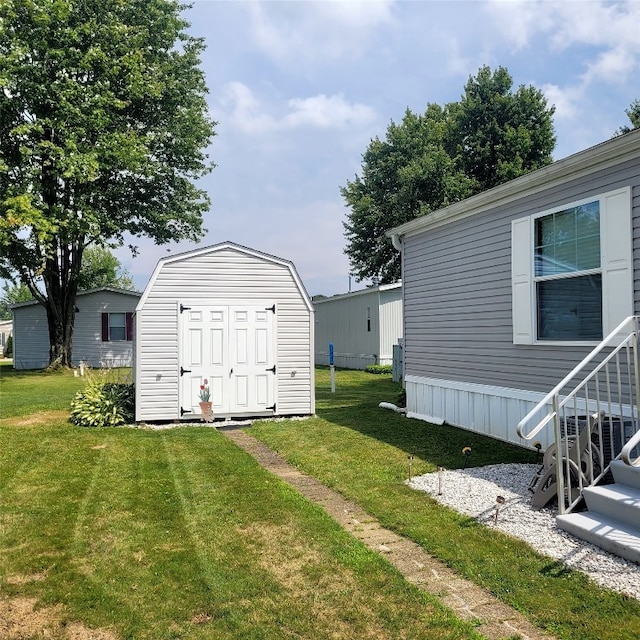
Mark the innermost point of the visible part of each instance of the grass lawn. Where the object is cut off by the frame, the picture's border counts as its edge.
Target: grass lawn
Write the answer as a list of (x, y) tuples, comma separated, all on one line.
[(362, 451), (179, 534), (131, 533)]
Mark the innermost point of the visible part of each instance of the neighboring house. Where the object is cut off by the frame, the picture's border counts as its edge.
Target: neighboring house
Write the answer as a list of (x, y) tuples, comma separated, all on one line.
[(362, 325), (233, 316), (6, 328), (505, 292), (102, 334)]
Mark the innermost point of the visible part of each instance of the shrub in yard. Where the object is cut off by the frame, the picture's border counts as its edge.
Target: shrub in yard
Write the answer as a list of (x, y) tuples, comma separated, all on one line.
[(379, 368), (103, 403)]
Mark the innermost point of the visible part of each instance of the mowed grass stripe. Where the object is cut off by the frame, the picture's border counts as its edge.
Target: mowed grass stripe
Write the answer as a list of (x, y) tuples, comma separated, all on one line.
[(362, 452), (180, 534), (291, 550)]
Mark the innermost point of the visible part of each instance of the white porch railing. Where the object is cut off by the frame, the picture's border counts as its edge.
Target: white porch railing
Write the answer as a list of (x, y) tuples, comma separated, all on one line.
[(594, 414)]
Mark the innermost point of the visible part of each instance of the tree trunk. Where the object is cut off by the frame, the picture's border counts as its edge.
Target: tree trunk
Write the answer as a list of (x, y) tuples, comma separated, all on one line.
[(60, 317), (61, 283)]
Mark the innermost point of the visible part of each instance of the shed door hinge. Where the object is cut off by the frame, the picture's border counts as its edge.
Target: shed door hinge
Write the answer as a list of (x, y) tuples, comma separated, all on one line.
[(183, 308), (272, 408), (183, 411), (273, 308), (183, 371), (272, 369)]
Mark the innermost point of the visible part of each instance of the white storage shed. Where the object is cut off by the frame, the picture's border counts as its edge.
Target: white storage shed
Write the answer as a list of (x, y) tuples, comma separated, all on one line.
[(233, 316), (362, 325)]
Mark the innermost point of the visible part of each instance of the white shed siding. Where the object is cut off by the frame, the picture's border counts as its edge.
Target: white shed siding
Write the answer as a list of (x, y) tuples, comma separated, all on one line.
[(363, 326), (221, 275), (6, 329), (390, 321), (342, 320), (31, 339)]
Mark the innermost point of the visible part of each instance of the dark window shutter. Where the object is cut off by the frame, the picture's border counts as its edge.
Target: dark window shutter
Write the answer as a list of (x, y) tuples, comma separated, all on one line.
[(105, 327), (129, 322)]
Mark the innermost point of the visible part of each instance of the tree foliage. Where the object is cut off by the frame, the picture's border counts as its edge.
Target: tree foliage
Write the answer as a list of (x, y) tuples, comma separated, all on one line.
[(100, 268), (103, 127), (432, 160), (633, 113), (12, 294), (408, 174)]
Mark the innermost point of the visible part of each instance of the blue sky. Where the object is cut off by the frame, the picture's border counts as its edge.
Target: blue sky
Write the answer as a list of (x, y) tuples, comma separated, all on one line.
[(300, 88)]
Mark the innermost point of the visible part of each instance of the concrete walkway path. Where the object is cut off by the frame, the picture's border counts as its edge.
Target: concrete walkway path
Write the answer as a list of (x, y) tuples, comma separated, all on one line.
[(497, 621)]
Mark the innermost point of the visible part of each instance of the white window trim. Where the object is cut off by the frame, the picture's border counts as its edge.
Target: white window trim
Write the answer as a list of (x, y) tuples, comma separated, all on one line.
[(616, 266)]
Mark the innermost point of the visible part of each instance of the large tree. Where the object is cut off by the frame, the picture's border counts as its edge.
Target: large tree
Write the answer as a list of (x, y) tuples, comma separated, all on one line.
[(408, 174), (103, 131), (430, 161)]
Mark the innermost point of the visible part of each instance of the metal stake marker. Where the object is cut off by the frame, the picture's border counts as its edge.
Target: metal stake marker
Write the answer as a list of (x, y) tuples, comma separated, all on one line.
[(332, 368), (499, 502), (440, 479), (410, 459)]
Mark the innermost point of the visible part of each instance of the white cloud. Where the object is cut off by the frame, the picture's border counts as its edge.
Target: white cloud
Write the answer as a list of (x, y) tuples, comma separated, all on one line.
[(610, 28), (327, 112), (244, 111), (599, 42), (566, 100), (315, 31), (518, 21), (613, 66), (602, 24)]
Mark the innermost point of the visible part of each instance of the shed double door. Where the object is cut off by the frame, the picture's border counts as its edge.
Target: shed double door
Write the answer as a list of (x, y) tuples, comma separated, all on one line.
[(232, 347)]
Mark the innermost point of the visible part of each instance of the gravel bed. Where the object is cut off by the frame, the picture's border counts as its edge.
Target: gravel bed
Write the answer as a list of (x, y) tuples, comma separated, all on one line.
[(474, 492)]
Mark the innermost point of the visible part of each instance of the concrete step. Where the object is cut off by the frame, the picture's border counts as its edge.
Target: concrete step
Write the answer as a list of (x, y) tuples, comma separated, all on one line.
[(618, 501), (624, 474), (609, 534)]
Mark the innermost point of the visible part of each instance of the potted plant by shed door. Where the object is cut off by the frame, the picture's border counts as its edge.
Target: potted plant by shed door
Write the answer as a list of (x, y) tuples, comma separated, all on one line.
[(233, 347)]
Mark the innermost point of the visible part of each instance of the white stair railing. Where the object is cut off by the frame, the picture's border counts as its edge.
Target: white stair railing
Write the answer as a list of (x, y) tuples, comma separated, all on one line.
[(629, 453), (594, 415)]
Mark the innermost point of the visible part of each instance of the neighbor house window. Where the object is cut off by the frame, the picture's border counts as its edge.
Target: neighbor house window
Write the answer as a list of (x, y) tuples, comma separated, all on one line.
[(572, 270), (117, 326)]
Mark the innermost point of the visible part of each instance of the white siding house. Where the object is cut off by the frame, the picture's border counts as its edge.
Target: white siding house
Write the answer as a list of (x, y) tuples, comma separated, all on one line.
[(233, 316), (507, 291), (362, 325), (6, 329), (102, 334)]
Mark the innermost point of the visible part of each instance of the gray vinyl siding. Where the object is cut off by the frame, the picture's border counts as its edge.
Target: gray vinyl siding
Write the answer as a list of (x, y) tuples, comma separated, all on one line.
[(457, 282), (30, 337), (221, 276), (87, 334), (31, 332)]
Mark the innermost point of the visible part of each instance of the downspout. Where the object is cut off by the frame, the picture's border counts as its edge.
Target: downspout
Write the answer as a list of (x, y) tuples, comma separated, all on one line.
[(396, 241)]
